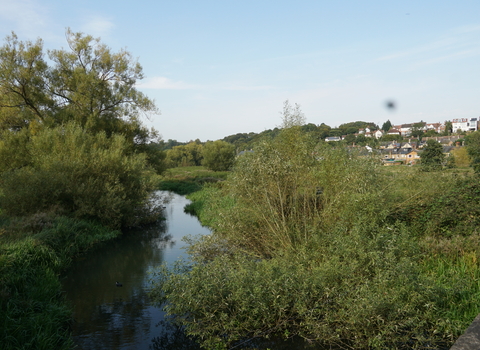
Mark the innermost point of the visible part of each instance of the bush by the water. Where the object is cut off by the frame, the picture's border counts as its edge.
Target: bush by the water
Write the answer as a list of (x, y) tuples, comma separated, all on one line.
[(72, 172)]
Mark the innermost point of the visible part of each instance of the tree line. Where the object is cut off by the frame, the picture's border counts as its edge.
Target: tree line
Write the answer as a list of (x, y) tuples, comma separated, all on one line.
[(247, 141)]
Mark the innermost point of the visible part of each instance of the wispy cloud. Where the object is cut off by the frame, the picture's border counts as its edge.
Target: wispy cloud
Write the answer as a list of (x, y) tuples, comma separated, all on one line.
[(163, 83), (449, 57), (28, 17), (458, 43), (98, 26)]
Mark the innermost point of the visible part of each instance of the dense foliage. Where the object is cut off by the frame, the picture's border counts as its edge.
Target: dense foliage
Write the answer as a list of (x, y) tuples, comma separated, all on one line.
[(190, 154), (316, 242), (218, 155), (75, 163), (72, 172), (432, 157)]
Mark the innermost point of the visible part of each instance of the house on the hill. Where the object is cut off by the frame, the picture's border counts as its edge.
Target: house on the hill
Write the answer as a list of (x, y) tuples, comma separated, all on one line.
[(333, 138), (397, 156), (437, 127), (394, 131), (464, 124), (378, 133)]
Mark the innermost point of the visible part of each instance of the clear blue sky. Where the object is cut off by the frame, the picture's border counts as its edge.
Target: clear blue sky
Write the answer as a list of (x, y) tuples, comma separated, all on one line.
[(217, 68)]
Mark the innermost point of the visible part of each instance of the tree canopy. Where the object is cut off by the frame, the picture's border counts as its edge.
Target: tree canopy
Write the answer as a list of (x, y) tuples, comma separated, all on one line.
[(218, 155), (88, 84), (71, 138), (387, 126), (432, 156)]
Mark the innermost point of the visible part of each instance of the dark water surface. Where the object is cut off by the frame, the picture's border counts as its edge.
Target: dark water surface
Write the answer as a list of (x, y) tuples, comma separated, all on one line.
[(111, 317)]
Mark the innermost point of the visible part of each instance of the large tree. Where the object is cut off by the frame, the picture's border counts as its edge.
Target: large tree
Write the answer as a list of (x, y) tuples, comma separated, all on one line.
[(473, 149), (432, 156), (88, 84), (448, 127), (71, 139), (218, 155), (387, 126)]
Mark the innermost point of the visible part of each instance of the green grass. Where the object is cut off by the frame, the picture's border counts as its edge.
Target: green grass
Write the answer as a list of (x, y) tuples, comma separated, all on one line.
[(187, 180), (193, 172)]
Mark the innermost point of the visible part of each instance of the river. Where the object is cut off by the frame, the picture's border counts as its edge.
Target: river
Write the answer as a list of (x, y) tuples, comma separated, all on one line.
[(111, 317)]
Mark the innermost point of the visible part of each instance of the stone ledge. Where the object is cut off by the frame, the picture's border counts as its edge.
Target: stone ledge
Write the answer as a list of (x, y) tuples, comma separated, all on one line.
[(470, 340)]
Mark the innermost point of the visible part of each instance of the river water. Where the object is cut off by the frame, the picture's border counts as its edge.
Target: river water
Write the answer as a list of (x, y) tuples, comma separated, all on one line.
[(111, 317)]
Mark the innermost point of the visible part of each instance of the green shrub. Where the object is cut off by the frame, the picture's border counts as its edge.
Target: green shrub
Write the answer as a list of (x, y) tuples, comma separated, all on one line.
[(32, 312), (72, 172), (290, 189), (181, 187), (452, 212), (361, 291), (71, 237)]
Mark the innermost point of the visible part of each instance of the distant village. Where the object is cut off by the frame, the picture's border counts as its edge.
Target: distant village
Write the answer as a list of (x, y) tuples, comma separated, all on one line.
[(396, 152)]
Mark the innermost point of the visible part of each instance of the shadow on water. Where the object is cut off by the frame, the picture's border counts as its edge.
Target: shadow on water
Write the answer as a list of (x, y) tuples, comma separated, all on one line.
[(111, 317)]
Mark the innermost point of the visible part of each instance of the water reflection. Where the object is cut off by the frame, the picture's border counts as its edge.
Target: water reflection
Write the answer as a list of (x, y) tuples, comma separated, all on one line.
[(111, 317)]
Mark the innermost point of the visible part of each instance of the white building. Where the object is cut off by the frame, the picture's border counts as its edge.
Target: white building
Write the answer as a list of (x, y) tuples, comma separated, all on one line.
[(378, 134), (464, 124)]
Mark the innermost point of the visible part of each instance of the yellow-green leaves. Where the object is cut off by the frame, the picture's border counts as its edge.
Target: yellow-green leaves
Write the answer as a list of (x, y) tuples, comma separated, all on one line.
[(71, 171)]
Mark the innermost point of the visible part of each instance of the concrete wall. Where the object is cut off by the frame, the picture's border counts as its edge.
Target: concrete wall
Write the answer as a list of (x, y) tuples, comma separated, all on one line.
[(470, 340)]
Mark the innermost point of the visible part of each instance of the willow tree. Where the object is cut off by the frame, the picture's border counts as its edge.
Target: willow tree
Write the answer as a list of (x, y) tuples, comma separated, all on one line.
[(87, 83), (84, 101)]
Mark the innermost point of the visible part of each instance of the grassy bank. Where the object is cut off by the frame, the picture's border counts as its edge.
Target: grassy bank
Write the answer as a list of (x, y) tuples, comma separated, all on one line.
[(186, 180), (33, 252)]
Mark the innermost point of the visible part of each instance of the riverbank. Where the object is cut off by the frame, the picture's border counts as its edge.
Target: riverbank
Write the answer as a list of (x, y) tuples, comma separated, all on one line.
[(107, 317), (33, 252), (187, 180)]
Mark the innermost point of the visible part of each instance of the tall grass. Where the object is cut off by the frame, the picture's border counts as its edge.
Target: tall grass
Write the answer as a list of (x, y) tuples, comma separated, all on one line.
[(187, 180)]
